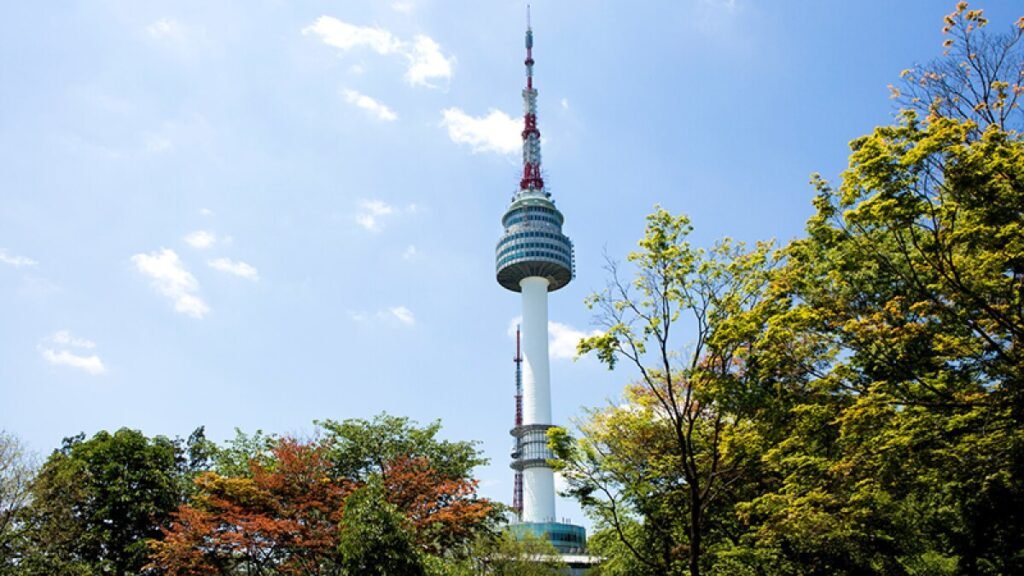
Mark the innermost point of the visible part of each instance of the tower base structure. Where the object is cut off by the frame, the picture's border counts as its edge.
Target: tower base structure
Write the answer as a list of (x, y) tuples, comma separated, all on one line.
[(569, 540), (566, 538)]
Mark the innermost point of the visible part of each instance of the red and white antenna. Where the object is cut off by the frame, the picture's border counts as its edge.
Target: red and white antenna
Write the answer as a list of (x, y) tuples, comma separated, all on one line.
[(532, 180), (517, 488)]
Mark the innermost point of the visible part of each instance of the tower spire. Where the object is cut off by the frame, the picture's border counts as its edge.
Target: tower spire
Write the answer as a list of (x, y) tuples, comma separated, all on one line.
[(532, 182)]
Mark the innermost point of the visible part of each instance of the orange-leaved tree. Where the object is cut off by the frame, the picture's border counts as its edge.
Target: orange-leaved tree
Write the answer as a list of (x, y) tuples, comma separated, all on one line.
[(283, 519), (444, 512)]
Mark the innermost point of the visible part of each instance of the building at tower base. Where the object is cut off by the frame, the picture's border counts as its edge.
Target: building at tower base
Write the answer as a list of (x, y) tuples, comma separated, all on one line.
[(566, 538)]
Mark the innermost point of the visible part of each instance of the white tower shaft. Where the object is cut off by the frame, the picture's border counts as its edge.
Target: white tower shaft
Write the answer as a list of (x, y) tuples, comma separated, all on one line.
[(538, 482), (536, 370)]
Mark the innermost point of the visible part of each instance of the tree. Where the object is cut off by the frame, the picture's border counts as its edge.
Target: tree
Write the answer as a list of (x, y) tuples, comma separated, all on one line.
[(505, 554), (376, 538), (979, 78), (428, 479), (907, 457), (660, 471), (309, 507), (95, 503), (280, 518), (444, 514), (914, 268), (237, 456), (363, 448), (17, 469)]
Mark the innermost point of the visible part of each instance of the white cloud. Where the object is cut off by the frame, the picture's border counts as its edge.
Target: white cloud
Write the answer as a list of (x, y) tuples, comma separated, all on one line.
[(170, 278), (400, 314), (158, 143), (240, 269), (565, 103), (403, 314), (425, 59), (562, 338), (91, 364), (727, 5), (370, 212), (205, 212), (367, 221), (172, 34), (34, 286), (345, 36), (201, 239), (54, 350), (377, 207), (16, 261), (497, 132), (426, 62), (166, 28), (403, 7), (372, 106), (409, 253), (66, 338), (357, 69)]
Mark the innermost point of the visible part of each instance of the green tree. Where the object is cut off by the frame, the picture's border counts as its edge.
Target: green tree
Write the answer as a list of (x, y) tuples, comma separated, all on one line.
[(907, 454), (95, 503), (363, 448), (17, 469), (977, 79), (375, 538), (914, 268), (661, 471), (504, 554), (235, 459)]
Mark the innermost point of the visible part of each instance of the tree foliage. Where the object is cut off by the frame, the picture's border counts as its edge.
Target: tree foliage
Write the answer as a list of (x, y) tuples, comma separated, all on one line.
[(376, 538), (871, 385), (913, 271), (505, 554), (363, 448), (95, 503), (17, 468), (279, 519), (381, 496), (978, 79), (657, 470)]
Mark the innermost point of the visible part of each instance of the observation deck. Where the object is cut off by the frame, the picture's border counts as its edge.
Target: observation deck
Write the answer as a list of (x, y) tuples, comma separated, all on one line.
[(533, 243)]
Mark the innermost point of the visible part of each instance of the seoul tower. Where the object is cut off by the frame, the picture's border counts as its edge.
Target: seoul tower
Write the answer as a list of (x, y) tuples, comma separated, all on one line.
[(533, 257)]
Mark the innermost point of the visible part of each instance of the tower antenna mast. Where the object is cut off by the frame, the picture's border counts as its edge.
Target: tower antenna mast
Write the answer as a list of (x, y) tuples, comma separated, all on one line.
[(517, 489)]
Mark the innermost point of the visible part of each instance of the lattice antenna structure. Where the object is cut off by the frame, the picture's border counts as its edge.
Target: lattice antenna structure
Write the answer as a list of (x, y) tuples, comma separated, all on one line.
[(517, 488)]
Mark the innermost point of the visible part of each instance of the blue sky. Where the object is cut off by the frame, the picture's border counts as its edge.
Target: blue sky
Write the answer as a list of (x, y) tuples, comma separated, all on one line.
[(262, 213)]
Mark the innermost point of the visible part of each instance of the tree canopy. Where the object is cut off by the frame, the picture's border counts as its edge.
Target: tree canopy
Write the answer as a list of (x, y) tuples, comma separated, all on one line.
[(365, 497), (850, 403)]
